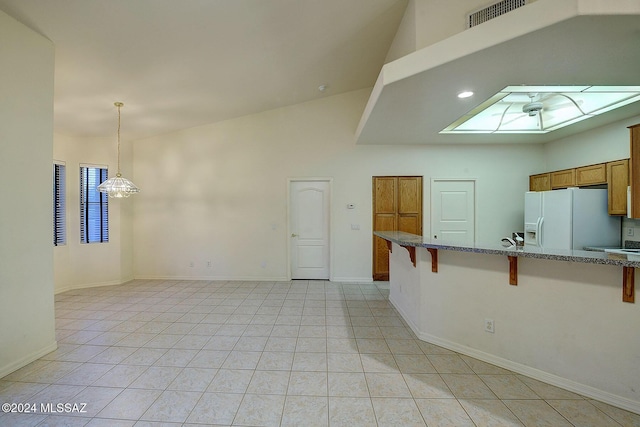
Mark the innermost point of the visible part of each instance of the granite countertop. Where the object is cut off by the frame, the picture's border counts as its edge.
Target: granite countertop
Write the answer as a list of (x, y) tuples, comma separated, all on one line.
[(599, 248), (629, 244), (590, 257)]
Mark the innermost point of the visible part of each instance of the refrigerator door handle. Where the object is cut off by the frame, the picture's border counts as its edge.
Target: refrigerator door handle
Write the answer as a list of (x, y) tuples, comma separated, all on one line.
[(539, 231)]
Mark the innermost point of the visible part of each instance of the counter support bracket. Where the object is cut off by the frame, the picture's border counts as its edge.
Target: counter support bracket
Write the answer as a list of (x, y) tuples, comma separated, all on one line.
[(434, 259), (410, 249), (628, 284), (513, 270), (412, 254)]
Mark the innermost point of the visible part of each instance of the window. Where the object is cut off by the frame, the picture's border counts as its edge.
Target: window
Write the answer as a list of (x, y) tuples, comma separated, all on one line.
[(59, 204), (94, 208)]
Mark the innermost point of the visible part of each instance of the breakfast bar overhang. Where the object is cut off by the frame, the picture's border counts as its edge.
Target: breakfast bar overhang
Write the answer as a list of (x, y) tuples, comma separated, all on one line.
[(564, 323)]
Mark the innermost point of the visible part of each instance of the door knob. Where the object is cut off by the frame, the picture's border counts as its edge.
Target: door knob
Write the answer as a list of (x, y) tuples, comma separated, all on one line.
[(294, 235)]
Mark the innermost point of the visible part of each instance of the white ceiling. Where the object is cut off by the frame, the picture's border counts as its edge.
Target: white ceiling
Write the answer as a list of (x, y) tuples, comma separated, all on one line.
[(548, 42), (178, 64)]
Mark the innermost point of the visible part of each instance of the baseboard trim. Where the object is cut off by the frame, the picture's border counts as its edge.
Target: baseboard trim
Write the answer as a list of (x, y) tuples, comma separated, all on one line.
[(352, 279), (24, 361), (216, 278), (251, 278), (564, 383), (405, 317), (68, 288)]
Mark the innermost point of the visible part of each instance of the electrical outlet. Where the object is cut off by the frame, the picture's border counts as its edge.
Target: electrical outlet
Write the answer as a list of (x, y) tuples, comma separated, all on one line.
[(489, 326), (191, 264), (209, 264), (630, 231)]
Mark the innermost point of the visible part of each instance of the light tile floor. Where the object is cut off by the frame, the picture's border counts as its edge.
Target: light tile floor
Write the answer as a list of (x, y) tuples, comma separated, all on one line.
[(300, 353)]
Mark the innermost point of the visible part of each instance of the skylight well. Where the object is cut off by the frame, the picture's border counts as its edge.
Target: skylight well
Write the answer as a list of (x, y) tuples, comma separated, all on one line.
[(541, 109)]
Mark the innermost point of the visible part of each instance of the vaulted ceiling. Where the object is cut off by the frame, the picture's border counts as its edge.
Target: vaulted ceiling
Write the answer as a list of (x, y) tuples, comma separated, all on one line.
[(179, 64)]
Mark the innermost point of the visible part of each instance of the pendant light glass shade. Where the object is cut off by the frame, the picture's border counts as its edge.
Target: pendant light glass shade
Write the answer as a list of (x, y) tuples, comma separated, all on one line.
[(118, 187)]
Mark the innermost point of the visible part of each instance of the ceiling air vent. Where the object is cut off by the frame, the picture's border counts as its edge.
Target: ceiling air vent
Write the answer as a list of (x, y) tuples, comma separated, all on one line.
[(494, 10)]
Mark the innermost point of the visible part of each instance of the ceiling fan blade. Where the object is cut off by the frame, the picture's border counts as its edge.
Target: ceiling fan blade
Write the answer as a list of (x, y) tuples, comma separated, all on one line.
[(520, 115), (558, 106), (512, 108), (546, 96), (557, 101)]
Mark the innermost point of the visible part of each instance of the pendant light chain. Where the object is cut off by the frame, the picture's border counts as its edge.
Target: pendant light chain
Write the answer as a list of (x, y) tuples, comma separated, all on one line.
[(119, 105), (118, 187)]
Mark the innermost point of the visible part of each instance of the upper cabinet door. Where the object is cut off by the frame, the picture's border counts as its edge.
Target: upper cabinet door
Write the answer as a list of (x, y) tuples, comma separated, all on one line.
[(634, 170), (563, 179), (618, 180), (591, 175), (540, 182)]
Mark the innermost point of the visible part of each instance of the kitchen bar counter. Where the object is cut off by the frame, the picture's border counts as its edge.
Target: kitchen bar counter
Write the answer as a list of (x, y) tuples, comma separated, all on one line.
[(591, 257), (556, 316)]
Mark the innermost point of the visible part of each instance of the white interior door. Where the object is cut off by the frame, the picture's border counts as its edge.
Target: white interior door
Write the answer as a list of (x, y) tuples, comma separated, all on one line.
[(453, 211), (309, 228)]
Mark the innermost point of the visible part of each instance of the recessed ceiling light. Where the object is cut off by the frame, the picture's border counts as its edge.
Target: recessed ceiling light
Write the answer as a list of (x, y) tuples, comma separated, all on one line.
[(465, 94), (542, 109)]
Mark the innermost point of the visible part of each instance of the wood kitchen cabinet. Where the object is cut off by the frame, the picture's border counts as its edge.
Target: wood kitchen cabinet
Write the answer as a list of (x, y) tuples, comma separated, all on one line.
[(618, 175), (563, 179), (540, 182), (617, 182), (591, 175), (634, 170)]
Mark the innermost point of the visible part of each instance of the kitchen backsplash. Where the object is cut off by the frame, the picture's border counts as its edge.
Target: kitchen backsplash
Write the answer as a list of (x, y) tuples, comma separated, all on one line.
[(630, 233)]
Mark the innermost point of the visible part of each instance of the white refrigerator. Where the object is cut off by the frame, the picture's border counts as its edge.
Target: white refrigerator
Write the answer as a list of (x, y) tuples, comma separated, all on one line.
[(569, 219)]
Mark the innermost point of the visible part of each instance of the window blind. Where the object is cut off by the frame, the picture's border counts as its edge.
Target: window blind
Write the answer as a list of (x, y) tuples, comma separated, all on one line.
[(59, 205), (94, 206)]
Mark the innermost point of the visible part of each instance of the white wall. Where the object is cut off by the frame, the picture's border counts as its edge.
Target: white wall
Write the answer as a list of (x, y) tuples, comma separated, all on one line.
[(564, 323), (426, 22), (610, 142), (437, 20), (79, 265), (216, 192), (26, 230)]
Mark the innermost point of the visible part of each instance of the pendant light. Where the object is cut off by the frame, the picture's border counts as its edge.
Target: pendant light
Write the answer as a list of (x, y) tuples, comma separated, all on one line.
[(118, 186)]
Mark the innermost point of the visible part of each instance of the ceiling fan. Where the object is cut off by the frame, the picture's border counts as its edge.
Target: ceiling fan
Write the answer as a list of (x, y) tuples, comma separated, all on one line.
[(534, 105), (541, 109)]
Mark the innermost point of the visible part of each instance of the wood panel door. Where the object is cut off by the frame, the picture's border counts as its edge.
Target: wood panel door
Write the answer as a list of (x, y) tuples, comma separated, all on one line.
[(397, 206)]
